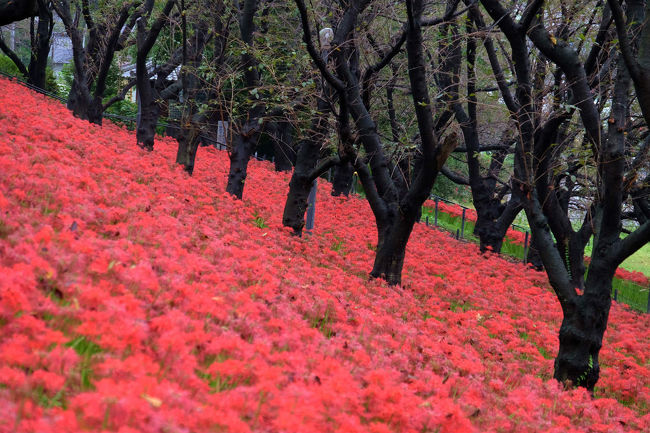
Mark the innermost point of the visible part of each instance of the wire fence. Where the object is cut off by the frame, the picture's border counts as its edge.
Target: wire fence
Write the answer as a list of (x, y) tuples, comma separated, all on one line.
[(634, 295)]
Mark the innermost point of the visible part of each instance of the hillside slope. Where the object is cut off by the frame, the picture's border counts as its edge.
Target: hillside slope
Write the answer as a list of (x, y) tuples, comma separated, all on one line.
[(134, 298)]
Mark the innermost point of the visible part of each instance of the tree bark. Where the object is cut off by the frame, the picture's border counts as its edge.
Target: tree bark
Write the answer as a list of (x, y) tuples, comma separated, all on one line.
[(342, 178), (147, 93), (40, 46), (188, 144), (83, 105), (306, 160), (17, 10), (243, 148), (582, 330), (283, 151), (248, 130)]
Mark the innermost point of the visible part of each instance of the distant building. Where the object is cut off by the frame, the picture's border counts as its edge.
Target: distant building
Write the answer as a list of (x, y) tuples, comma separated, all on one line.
[(60, 51)]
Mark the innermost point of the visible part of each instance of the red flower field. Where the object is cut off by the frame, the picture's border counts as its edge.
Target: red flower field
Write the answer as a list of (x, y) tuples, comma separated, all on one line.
[(134, 298)]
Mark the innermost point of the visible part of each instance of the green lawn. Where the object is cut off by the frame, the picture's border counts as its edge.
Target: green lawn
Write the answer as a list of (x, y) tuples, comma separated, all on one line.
[(639, 261)]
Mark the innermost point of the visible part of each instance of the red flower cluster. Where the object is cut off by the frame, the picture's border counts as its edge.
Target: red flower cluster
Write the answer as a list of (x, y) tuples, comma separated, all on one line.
[(134, 298)]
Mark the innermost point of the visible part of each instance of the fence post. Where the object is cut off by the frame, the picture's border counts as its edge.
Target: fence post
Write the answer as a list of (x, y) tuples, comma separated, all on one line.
[(435, 214), (457, 234), (311, 207), (525, 258), (462, 225), (427, 219), (616, 294)]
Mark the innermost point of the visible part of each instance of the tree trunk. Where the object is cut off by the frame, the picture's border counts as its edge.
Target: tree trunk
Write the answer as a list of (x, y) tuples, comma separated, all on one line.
[(490, 235), (306, 160), (283, 151), (188, 144), (83, 105), (391, 248), (342, 180), (40, 47), (534, 259), (149, 114), (582, 330), (242, 150), (11, 10), (248, 132), (296, 204)]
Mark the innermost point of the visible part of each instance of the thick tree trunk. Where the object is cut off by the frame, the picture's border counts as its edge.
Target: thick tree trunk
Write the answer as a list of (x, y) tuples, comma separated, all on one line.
[(296, 204), (342, 180), (40, 47), (248, 132), (188, 144), (582, 330), (391, 248), (490, 235), (83, 105), (12, 10), (146, 132), (283, 151), (147, 93), (242, 150), (306, 161), (534, 259)]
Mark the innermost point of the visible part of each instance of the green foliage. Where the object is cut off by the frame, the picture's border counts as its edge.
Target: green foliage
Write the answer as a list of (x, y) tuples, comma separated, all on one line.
[(51, 84), (64, 80), (87, 350), (259, 221), (7, 66)]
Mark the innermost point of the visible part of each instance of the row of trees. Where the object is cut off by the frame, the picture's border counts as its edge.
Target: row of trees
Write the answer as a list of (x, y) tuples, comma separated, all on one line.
[(546, 105)]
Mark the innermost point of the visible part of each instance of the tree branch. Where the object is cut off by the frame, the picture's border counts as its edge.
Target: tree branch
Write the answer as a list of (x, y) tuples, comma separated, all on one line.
[(454, 177), (323, 166), (315, 56), (633, 242), (14, 57), (624, 41)]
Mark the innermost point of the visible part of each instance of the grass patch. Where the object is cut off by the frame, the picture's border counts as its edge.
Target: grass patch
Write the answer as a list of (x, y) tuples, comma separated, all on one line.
[(259, 221), (219, 383), (86, 350), (463, 306), (322, 321), (627, 292), (337, 244), (42, 399)]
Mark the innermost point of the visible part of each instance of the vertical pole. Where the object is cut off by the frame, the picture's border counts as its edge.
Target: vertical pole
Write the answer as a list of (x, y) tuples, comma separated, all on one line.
[(427, 220), (525, 248), (311, 207), (615, 294), (139, 115), (435, 214), (462, 225), (457, 234)]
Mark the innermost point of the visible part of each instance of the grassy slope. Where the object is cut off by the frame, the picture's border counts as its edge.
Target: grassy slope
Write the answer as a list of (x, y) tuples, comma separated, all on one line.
[(634, 294), (134, 297)]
